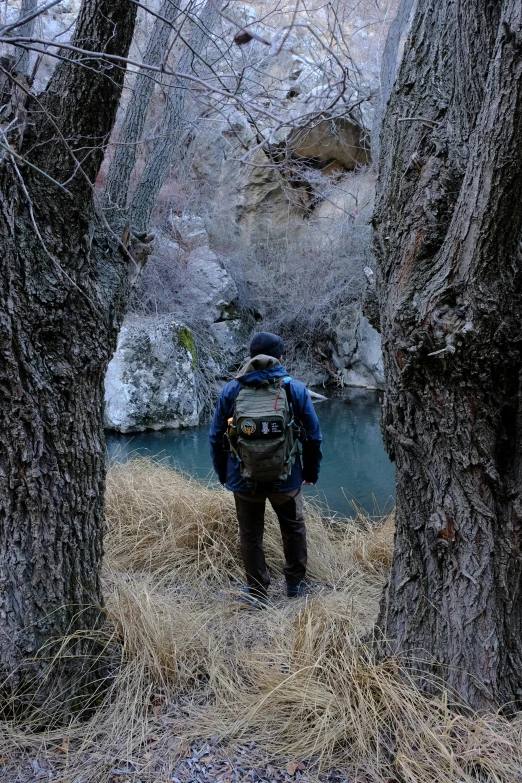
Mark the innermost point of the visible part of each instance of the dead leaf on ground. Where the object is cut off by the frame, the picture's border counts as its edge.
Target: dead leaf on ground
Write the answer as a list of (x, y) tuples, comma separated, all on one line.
[(293, 766)]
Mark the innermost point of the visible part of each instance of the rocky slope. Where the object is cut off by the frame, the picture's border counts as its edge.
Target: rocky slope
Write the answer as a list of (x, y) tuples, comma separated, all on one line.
[(263, 224)]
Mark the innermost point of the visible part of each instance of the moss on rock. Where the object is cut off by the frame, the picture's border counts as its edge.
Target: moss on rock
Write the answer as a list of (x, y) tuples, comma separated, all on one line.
[(186, 339)]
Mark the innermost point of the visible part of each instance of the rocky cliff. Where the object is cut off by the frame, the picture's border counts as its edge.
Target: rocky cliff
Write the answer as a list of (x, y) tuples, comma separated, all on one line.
[(164, 370)]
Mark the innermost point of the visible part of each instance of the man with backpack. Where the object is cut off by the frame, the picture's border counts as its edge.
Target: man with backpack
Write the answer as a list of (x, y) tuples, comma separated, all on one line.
[(265, 442)]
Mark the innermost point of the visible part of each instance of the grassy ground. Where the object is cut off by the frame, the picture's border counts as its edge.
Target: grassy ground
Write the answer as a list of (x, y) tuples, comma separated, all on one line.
[(206, 688)]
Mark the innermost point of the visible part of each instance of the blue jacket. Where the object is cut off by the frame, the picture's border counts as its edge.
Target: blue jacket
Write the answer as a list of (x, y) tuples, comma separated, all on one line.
[(227, 467)]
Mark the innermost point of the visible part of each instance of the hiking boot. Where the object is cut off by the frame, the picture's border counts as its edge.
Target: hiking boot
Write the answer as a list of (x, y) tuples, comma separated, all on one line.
[(254, 598), (297, 591)]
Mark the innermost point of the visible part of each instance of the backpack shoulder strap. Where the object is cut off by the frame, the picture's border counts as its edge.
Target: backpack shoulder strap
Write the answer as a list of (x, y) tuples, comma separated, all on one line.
[(288, 391), (302, 436)]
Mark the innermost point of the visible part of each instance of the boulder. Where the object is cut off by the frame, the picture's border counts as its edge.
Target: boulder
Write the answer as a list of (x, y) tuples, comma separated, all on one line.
[(209, 286), (231, 339), (356, 351), (333, 142), (189, 231), (151, 382)]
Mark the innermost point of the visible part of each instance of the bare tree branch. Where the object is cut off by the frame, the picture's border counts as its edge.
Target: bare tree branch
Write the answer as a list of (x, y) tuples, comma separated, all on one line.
[(29, 17)]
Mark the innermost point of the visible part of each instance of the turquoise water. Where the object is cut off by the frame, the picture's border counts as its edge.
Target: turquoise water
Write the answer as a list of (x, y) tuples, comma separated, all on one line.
[(355, 467)]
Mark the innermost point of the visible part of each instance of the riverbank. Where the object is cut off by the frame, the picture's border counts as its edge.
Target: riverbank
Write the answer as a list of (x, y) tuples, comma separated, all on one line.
[(207, 690), (355, 471)]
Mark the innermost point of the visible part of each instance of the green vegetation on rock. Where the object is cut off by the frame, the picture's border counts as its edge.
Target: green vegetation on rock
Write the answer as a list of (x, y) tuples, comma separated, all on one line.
[(186, 339)]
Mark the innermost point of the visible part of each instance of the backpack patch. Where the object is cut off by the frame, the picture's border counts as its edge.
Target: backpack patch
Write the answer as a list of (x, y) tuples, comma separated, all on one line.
[(248, 427)]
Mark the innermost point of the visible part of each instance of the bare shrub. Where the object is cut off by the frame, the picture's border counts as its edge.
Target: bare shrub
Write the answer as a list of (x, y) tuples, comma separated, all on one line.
[(298, 286), (303, 284), (160, 291), (160, 284)]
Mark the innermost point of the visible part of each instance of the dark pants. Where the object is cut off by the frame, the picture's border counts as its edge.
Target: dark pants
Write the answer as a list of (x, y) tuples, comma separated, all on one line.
[(251, 517)]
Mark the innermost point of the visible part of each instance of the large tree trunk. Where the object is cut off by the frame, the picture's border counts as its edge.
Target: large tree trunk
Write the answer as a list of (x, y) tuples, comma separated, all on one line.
[(174, 122), (448, 224), (24, 62), (122, 164), (63, 295)]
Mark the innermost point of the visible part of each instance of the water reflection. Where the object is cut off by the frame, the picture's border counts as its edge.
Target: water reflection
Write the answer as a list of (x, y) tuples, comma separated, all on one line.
[(355, 468)]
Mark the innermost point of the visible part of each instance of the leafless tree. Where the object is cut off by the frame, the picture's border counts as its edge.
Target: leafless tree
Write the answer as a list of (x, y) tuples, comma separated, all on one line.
[(63, 288), (173, 124), (122, 164), (65, 279), (27, 10), (448, 231)]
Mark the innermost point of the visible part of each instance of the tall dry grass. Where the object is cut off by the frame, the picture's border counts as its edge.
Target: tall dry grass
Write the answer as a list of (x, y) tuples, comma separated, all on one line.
[(191, 662)]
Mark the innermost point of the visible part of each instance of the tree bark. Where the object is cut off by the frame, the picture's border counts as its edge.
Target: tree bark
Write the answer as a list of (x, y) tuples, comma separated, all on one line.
[(389, 66), (122, 164), (63, 290), (162, 155), (448, 226), (24, 62)]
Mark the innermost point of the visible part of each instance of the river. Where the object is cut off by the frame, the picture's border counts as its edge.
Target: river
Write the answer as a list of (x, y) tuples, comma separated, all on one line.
[(355, 467)]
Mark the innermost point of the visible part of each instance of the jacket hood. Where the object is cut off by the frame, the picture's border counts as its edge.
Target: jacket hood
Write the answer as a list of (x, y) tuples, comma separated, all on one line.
[(259, 368)]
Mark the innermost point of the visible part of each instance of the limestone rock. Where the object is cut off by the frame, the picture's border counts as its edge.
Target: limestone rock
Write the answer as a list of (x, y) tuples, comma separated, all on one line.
[(235, 155), (189, 231), (150, 382), (249, 199), (369, 349), (370, 304), (262, 208), (209, 286), (230, 337), (343, 343), (338, 142), (356, 351), (366, 369)]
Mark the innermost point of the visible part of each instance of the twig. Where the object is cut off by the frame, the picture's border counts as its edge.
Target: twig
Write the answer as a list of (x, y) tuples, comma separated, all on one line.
[(34, 168), (30, 43), (277, 49), (29, 17)]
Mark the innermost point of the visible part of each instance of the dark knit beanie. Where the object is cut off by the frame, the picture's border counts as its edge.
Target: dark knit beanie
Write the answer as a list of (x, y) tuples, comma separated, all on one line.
[(267, 343)]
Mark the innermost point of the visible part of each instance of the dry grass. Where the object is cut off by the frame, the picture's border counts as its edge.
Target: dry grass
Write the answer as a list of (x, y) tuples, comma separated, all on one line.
[(193, 662)]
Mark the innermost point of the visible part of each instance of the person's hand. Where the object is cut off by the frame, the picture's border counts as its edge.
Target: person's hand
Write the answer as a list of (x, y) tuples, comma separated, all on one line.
[(308, 483)]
